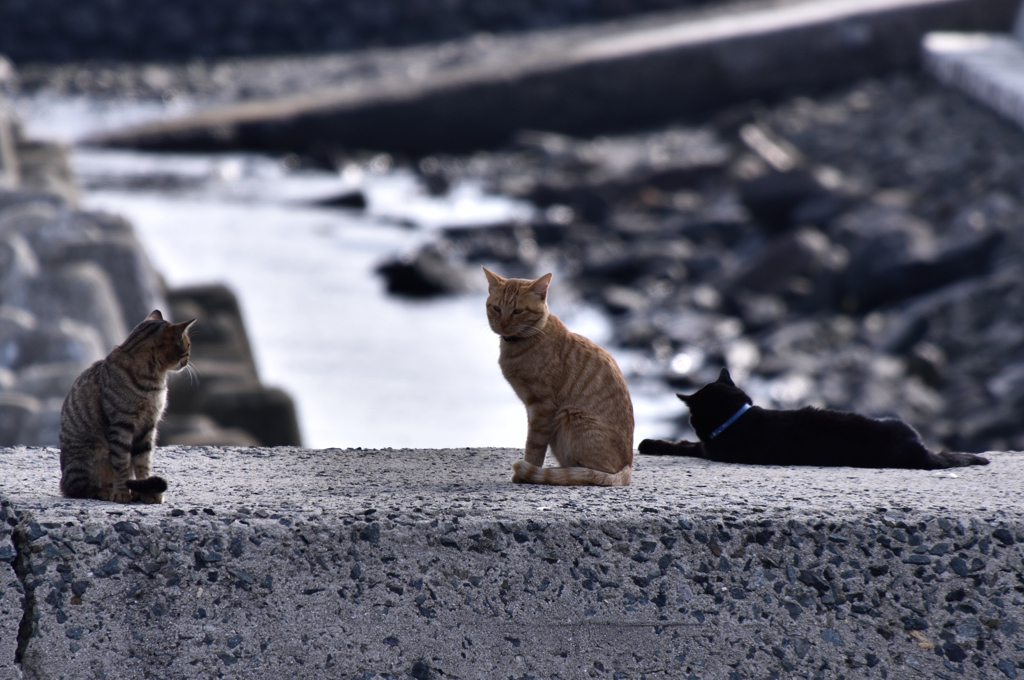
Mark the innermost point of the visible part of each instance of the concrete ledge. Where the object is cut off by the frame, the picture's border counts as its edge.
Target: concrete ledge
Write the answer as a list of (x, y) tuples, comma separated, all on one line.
[(585, 82), (270, 563), (988, 67)]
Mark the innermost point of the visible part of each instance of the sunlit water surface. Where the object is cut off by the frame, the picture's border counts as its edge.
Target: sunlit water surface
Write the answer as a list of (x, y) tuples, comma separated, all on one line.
[(365, 368)]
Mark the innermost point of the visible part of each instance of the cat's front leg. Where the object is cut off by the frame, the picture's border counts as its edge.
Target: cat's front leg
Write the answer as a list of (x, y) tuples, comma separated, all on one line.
[(142, 461), (539, 426), (119, 438), (142, 454), (660, 447)]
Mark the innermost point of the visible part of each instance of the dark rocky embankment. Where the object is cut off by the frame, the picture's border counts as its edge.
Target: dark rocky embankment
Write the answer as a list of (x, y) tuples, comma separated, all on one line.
[(860, 251), (73, 283), (152, 30)]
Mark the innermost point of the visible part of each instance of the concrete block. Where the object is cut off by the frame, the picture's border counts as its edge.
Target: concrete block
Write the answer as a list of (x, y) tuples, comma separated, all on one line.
[(138, 288), (9, 199), (53, 380), (82, 291), (17, 262), (15, 324), (616, 77), (63, 341), (265, 412), (270, 563), (42, 427), (10, 177), (15, 410), (988, 67), (8, 379), (43, 166), (37, 221)]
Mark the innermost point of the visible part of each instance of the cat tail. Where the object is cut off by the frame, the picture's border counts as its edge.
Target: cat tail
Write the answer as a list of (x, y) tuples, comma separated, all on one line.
[(148, 485), (569, 476), (951, 459)]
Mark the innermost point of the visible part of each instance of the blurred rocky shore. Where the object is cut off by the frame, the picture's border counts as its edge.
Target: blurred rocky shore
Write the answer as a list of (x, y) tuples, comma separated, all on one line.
[(154, 30), (73, 283), (861, 250)]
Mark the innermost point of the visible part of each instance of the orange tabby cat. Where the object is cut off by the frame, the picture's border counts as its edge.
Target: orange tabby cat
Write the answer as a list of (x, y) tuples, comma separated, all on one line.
[(576, 399)]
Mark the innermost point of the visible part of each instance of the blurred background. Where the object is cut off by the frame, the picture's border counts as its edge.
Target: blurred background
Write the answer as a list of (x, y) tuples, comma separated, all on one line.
[(801, 190)]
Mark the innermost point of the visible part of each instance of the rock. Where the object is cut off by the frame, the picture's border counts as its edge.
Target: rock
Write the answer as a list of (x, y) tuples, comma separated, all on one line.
[(267, 413), (760, 311), (81, 291), (929, 362), (894, 256), (426, 273), (620, 299), (774, 198), (355, 200), (802, 266), (15, 411), (508, 244), (662, 260)]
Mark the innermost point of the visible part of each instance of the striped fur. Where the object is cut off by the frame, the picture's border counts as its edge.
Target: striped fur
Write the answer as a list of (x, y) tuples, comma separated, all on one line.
[(109, 418), (577, 402)]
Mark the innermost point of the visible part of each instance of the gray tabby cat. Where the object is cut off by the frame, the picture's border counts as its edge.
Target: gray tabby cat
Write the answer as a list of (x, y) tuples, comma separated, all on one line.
[(108, 422)]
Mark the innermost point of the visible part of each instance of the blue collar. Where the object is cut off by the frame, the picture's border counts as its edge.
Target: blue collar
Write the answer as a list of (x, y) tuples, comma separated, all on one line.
[(732, 419)]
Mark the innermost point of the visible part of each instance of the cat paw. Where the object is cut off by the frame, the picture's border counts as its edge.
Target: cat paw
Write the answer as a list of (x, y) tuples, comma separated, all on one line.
[(516, 479), (124, 496), (151, 497), (648, 446), (660, 447)]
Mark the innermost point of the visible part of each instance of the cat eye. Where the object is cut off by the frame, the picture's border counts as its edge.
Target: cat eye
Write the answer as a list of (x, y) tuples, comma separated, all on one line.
[(518, 311), (496, 308)]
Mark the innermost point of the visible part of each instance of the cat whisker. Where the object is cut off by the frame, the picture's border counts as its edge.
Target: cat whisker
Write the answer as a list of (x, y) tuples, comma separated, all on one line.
[(193, 373)]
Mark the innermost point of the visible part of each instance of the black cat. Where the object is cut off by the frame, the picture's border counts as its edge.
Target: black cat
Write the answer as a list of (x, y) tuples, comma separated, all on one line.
[(732, 430)]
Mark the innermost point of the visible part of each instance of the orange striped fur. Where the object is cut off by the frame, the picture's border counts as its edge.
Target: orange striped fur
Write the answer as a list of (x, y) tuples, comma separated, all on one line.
[(577, 402)]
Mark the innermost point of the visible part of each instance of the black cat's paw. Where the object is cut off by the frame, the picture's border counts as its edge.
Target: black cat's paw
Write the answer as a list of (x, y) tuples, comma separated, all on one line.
[(660, 447), (652, 447)]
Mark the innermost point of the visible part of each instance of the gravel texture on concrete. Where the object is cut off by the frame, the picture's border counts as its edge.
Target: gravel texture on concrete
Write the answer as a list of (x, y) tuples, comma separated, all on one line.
[(269, 563)]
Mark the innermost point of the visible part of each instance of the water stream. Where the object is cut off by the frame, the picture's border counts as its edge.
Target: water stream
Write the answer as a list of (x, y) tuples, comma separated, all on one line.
[(365, 368)]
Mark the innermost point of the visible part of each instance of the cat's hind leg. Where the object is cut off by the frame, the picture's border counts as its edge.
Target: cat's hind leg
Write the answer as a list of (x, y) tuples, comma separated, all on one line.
[(81, 475), (589, 451), (660, 447)]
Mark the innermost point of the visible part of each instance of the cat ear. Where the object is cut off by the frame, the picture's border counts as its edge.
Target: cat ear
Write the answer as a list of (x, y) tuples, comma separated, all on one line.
[(493, 280), (685, 398), (724, 377), (187, 325), (155, 315), (540, 286)]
